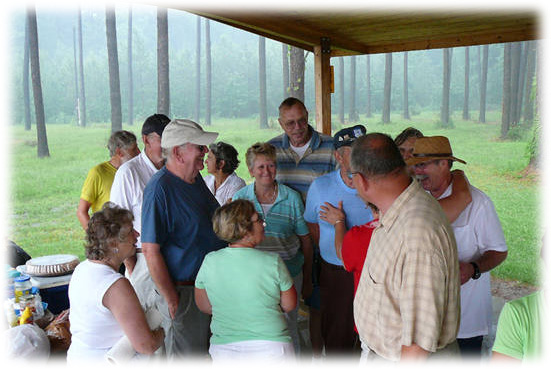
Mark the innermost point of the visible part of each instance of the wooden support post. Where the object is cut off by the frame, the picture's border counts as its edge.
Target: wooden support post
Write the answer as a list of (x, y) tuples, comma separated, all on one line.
[(322, 68)]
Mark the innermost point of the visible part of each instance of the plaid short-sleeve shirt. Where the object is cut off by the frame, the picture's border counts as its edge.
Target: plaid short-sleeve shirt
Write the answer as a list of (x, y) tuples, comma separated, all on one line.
[(409, 289)]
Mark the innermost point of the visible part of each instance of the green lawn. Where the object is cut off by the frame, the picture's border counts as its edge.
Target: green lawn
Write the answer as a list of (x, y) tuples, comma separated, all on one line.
[(45, 192)]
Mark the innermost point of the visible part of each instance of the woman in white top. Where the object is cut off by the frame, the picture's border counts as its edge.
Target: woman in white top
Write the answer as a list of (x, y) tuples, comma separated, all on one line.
[(221, 163), (104, 306)]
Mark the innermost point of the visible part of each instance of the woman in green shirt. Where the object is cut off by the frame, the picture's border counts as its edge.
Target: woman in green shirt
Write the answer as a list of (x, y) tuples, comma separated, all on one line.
[(246, 290)]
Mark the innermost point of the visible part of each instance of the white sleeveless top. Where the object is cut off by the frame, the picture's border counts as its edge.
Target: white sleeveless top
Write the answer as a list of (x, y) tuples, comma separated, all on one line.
[(94, 329)]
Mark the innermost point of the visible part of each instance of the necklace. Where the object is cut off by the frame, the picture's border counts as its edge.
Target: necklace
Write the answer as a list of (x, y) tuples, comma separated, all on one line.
[(269, 200)]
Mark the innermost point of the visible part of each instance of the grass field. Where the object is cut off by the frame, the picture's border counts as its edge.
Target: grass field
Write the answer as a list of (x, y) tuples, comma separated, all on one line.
[(44, 193)]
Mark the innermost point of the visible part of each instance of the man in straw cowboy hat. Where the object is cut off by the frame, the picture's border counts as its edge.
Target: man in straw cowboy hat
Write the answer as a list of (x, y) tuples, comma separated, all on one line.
[(479, 236)]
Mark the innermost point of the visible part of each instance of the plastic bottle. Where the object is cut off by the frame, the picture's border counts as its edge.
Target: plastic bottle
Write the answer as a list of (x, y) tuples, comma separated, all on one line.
[(22, 286), (10, 277)]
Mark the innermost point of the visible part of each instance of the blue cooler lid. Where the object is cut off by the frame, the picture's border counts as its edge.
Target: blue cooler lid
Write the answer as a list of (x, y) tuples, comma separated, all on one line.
[(22, 278)]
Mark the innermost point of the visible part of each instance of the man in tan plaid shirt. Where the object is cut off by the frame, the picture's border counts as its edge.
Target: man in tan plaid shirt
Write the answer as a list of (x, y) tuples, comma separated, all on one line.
[(407, 302)]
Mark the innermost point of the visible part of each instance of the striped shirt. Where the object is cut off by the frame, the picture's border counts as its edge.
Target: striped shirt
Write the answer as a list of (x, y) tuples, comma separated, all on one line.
[(284, 223), (298, 173), (409, 288)]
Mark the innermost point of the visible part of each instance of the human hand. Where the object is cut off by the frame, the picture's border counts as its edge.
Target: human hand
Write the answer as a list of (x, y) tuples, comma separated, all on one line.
[(466, 271), (172, 303), (331, 214)]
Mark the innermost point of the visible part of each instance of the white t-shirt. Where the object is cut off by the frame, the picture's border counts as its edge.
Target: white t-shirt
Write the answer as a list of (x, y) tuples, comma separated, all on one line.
[(128, 186), (477, 230), (227, 189), (94, 329), (300, 150)]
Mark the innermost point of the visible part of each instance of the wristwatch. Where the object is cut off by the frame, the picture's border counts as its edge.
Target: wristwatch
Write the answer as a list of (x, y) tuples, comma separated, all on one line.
[(476, 273)]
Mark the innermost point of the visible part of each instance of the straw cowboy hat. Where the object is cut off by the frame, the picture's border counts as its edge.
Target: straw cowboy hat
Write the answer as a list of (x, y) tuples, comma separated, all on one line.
[(431, 148)]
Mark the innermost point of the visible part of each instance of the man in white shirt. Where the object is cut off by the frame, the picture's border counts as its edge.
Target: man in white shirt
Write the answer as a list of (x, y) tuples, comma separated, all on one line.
[(480, 241), (127, 192)]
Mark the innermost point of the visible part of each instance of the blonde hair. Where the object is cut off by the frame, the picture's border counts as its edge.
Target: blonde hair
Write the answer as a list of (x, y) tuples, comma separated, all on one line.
[(260, 148), (232, 221)]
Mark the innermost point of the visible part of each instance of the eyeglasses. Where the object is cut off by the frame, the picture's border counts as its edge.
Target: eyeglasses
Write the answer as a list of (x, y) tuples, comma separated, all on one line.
[(350, 175), (301, 123), (425, 164)]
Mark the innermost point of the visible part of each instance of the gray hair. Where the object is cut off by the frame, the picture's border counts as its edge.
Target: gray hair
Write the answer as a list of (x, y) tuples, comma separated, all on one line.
[(120, 140), (375, 154), (226, 152)]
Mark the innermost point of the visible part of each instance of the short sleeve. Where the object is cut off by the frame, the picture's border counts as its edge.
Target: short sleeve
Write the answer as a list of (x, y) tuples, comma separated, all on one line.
[(354, 248), (311, 211), (509, 337), (90, 187), (121, 189), (154, 214)]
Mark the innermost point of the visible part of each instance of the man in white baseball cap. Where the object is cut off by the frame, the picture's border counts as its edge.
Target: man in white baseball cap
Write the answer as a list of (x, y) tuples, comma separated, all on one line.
[(177, 234)]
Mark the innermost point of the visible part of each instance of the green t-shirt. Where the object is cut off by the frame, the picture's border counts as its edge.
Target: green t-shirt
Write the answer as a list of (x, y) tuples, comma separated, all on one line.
[(519, 329), (97, 186), (244, 286)]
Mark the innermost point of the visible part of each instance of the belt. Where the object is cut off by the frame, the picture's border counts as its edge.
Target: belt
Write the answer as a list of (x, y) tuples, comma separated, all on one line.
[(332, 266), (185, 283), (139, 251)]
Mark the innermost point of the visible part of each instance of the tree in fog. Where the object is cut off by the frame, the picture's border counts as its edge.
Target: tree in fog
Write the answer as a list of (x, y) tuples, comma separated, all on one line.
[(262, 81), (405, 104), (515, 72), (352, 112), (387, 88), (285, 65), (26, 94), (341, 90), (114, 80), (466, 92), (163, 85), (208, 72), (296, 73), (41, 136), (368, 86), (505, 108), (483, 84), (82, 94), (198, 70), (528, 117), (521, 77), (446, 83), (130, 73), (75, 68)]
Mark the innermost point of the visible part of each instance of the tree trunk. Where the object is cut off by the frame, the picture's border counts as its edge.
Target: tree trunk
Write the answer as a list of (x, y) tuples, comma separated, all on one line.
[(467, 84), (296, 74), (285, 65), (506, 99), (208, 67), (483, 84), (406, 95), (368, 82), (353, 113), (130, 72), (528, 117), (515, 65), (41, 136), (82, 99), (262, 81), (163, 82), (446, 83), (341, 90), (114, 80), (26, 94), (387, 88), (521, 78), (198, 71), (75, 68)]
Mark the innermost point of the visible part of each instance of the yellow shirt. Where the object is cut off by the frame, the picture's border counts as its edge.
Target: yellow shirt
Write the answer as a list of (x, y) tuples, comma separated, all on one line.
[(97, 186)]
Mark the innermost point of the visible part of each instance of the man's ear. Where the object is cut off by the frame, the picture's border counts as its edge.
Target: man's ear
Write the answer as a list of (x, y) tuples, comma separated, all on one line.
[(361, 184)]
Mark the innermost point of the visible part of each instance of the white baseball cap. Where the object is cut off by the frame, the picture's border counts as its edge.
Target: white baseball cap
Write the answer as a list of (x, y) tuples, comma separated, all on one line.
[(181, 131)]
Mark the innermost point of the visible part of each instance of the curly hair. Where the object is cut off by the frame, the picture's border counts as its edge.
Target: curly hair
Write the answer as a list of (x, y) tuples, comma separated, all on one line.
[(226, 152), (260, 148), (106, 229), (232, 221)]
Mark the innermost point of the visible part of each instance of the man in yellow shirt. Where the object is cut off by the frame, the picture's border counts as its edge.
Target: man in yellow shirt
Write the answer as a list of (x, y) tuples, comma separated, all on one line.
[(97, 186)]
